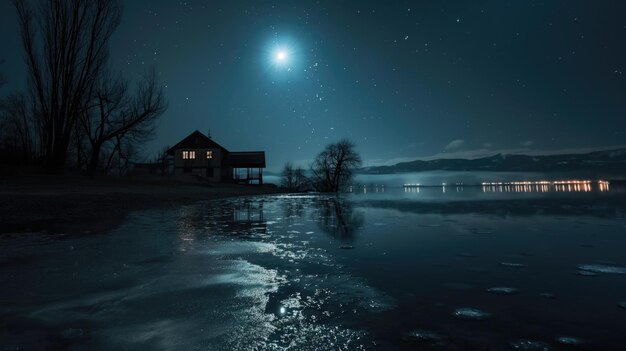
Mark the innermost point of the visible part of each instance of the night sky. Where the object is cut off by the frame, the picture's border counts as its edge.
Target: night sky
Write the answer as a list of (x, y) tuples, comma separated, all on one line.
[(401, 79)]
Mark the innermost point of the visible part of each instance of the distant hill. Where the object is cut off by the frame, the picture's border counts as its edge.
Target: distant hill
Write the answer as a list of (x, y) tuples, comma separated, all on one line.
[(606, 161)]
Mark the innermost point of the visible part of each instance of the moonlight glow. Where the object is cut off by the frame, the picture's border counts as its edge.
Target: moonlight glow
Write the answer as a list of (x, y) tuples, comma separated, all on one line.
[(281, 56)]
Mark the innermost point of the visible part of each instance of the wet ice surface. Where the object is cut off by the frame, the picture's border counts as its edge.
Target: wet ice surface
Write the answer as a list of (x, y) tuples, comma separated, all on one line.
[(503, 290), (602, 268), (471, 313), (320, 273), (568, 340), (530, 345)]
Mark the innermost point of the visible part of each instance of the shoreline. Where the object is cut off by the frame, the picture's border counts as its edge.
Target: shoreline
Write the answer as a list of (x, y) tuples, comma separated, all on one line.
[(77, 205)]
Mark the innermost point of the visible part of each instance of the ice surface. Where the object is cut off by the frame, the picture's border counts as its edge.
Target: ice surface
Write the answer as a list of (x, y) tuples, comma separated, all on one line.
[(425, 335), (569, 340), (586, 273), (458, 286), (503, 290), (602, 268), (268, 273), (530, 345), (471, 313), (513, 264), (73, 333)]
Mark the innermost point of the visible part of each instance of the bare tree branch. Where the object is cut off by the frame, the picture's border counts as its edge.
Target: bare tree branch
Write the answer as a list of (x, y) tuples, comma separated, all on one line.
[(16, 128), (66, 48), (116, 115), (334, 167)]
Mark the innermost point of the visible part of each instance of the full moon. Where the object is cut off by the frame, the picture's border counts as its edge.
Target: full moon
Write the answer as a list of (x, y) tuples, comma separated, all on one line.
[(281, 56)]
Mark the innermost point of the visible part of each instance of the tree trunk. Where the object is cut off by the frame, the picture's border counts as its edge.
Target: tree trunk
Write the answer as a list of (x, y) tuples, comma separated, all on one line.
[(94, 159)]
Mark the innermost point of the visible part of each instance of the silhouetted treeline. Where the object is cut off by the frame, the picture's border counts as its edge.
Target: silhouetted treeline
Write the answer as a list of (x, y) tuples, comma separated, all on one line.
[(331, 170), (293, 178), (76, 111)]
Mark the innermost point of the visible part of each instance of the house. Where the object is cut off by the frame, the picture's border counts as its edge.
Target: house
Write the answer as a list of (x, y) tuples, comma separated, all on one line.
[(199, 156)]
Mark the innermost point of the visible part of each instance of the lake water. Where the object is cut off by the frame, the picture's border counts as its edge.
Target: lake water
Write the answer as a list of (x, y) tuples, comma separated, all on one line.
[(391, 270)]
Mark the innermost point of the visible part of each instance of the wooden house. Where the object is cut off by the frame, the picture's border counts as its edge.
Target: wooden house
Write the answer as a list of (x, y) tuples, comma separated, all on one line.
[(200, 156)]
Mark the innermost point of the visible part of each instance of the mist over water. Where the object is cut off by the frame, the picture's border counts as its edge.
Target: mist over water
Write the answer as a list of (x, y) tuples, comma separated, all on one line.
[(376, 270)]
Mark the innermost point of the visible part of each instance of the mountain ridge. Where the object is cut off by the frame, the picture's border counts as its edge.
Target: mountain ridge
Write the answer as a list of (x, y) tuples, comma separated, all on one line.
[(613, 160)]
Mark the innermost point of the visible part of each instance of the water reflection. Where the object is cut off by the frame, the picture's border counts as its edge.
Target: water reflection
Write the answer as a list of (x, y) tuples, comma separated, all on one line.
[(604, 185), (268, 273), (543, 186), (336, 217), (241, 217), (249, 212), (372, 188), (293, 207)]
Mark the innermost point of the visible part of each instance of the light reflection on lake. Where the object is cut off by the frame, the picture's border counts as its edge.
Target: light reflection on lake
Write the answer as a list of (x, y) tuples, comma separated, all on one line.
[(485, 190), (375, 270)]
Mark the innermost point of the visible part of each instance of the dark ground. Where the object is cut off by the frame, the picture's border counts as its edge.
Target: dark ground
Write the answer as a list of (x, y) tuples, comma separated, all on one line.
[(81, 205)]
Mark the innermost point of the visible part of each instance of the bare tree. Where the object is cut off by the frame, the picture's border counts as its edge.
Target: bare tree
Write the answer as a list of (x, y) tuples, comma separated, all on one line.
[(120, 117), (301, 180), (161, 155), (66, 48), (287, 176), (124, 151), (334, 167), (3, 78), (293, 178), (161, 160), (16, 126)]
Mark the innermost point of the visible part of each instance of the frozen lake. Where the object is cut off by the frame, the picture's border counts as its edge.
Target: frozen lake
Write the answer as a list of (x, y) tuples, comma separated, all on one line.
[(393, 269)]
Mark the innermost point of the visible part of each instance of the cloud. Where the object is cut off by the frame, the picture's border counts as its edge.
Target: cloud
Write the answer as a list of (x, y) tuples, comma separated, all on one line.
[(455, 144), (487, 145), (527, 143)]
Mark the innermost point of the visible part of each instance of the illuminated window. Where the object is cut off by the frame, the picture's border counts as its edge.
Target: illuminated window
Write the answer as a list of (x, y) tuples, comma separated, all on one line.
[(189, 155), (209, 154)]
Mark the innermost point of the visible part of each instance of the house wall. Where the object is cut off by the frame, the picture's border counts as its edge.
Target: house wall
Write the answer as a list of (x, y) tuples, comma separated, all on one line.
[(199, 165), (227, 173)]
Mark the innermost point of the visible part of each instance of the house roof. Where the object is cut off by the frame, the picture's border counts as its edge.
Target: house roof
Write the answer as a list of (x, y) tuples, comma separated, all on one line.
[(196, 140), (246, 159), (243, 159)]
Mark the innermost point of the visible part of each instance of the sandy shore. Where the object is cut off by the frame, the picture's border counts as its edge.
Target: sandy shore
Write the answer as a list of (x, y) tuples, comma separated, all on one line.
[(79, 205)]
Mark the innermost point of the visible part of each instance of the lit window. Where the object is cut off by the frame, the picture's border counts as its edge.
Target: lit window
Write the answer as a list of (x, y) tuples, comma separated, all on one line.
[(185, 155), (189, 155), (209, 154), (192, 154)]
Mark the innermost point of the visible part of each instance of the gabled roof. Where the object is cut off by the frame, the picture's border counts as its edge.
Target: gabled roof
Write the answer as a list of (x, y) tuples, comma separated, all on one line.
[(246, 159), (196, 140)]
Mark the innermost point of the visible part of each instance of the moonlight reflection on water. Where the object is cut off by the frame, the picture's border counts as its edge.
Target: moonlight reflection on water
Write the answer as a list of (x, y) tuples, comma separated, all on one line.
[(274, 273)]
